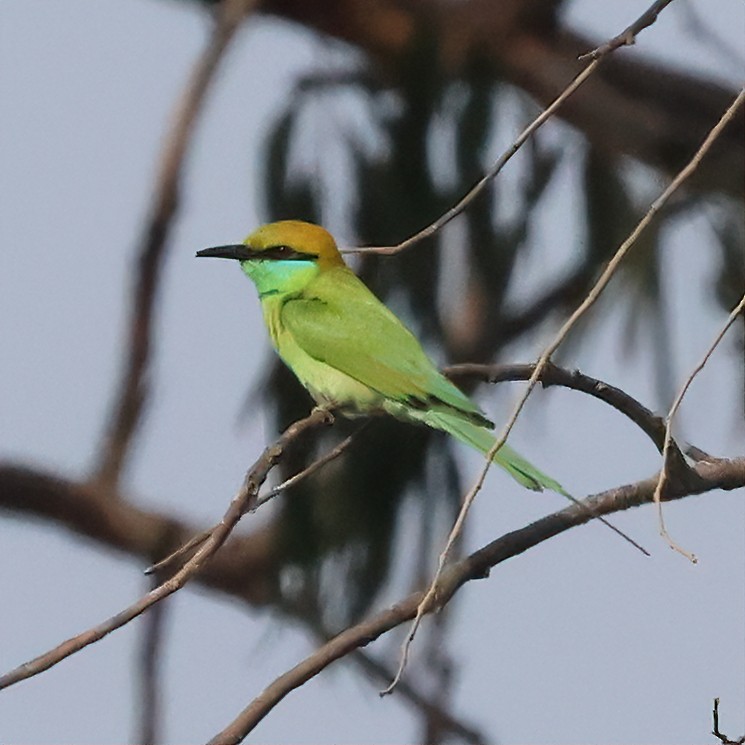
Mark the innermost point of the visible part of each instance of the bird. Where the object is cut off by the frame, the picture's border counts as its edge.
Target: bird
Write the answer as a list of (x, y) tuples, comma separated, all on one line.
[(352, 353)]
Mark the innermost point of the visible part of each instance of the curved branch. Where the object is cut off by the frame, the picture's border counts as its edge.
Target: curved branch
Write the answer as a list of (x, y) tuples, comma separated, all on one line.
[(244, 568), (717, 474), (626, 37), (133, 388), (241, 503), (241, 569), (631, 106), (553, 375)]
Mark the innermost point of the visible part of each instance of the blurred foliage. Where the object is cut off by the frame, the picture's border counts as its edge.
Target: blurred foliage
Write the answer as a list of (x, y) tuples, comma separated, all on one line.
[(424, 141)]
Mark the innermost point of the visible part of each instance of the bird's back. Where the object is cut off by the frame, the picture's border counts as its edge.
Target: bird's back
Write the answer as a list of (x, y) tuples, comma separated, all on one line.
[(338, 323)]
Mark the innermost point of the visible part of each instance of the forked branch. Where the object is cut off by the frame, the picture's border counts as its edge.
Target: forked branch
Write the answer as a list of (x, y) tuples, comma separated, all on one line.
[(241, 503), (714, 474)]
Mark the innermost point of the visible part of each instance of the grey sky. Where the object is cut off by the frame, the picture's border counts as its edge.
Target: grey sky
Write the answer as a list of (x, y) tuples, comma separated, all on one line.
[(581, 640)]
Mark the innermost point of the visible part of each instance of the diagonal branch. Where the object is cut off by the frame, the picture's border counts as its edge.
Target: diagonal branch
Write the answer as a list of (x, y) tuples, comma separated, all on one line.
[(624, 38), (545, 358), (466, 200), (240, 569), (627, 37), (716, 474), (631, 106), (241, 503), (130, 401)]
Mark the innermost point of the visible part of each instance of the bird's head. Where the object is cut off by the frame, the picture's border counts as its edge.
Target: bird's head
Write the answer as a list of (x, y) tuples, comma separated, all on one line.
[(287, 240)]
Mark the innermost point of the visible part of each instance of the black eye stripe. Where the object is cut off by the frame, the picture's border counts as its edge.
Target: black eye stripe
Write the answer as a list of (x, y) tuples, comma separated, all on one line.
[(286, 253)]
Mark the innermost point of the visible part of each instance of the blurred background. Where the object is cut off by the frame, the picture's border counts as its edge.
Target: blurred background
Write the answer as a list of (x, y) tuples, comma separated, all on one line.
[(372, 119)]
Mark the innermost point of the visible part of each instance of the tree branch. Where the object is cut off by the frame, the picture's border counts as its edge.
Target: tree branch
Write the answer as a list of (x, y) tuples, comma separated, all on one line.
[(553, 375), (627, 37), (716, 474), (130, 401), (239, 568), (241, 503), (631, 106)]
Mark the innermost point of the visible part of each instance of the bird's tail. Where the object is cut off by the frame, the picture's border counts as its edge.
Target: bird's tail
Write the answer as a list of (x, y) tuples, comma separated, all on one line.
[(482, 439)]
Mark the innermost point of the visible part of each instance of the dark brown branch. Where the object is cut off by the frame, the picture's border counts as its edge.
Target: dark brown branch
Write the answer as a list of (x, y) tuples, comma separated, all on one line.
[(243, 566), (631, 106), (553, 375), (241, 503), (133, 387), (718, 474), (720, 735)]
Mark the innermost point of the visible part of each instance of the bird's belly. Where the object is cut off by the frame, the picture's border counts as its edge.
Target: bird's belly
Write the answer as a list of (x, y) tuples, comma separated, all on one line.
[(328, 386)]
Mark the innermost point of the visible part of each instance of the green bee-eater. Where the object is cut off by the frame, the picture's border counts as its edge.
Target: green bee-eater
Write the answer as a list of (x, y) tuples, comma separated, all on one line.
[(347, 348)]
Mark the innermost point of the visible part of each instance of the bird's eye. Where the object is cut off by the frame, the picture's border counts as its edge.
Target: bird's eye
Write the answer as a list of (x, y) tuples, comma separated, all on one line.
[(285, 253), (282, 252)]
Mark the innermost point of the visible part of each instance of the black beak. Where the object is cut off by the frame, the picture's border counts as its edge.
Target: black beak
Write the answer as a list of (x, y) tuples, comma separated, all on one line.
[(239, 251)]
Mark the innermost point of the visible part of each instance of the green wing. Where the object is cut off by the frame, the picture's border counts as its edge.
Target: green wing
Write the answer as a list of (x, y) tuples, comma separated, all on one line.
[(338, 321)]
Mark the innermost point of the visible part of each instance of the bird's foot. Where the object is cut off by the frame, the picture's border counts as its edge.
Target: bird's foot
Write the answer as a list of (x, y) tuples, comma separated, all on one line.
[(328, 415)]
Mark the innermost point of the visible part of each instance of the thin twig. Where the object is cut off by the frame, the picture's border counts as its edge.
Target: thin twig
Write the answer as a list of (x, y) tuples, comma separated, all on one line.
[(720, 735), (447, 721), (308, 471), (190, 545), (545, 357), (240, 504), (200, 538), (627, 37), (717, 474), (130, 401), (664, 475), (483, 182)]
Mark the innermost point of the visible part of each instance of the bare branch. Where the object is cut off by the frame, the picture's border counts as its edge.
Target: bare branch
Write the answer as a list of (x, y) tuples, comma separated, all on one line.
[(664, 472), (631, 106), (553, 375), (720, 735), (716, 474), (198, 539), (168, 564), (241, 503), (483, 182), (545, 357), (627, 37), (133, 387), (309, 470)]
